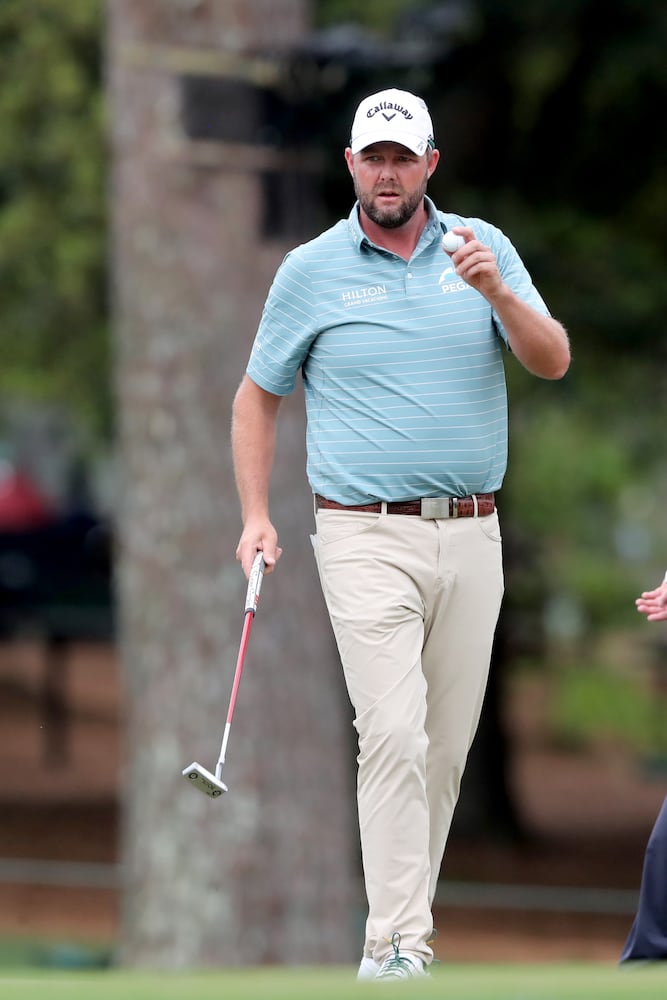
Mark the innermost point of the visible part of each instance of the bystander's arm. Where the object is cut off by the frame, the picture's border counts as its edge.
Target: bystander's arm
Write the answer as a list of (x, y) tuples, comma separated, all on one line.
[(653, 603)]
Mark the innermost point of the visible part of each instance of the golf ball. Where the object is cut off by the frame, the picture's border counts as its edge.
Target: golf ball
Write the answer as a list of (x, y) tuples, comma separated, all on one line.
[(452, 242)]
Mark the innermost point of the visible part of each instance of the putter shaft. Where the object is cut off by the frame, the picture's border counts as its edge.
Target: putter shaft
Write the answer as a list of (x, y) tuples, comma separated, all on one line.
[(200, 777)]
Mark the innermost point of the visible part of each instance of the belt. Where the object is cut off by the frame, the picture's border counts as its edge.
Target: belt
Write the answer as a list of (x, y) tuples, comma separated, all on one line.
[(479, 505)]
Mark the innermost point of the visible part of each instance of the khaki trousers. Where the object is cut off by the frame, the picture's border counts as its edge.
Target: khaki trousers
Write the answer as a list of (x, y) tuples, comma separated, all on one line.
[(414, 605)]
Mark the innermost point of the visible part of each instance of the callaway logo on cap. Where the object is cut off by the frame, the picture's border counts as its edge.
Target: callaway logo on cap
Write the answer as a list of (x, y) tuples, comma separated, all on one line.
[(392, 116)]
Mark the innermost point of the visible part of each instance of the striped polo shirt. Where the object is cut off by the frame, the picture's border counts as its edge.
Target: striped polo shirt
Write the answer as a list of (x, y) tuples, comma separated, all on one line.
[(401, 362)]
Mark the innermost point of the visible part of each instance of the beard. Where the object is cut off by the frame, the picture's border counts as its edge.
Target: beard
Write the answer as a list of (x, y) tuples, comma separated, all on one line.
[(391, 218)]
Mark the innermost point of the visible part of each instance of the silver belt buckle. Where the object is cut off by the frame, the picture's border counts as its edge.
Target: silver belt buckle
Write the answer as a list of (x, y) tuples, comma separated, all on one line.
[(435, 507)]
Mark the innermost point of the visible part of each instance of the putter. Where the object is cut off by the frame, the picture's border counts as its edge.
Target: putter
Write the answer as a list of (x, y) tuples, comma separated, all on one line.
[(198, 776)]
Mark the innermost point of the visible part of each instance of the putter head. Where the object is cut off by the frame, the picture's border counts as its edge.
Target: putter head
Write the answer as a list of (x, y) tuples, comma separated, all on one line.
[(202, 779)]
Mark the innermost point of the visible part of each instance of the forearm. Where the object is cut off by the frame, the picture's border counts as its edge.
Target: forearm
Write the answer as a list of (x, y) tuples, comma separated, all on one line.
[(539, 342), (254, 421)]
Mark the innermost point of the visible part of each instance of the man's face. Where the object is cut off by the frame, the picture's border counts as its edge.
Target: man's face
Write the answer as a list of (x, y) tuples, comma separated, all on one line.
[(390, 181)]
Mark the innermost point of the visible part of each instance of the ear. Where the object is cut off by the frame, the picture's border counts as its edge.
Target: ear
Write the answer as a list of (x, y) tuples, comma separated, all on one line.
[(349, 159), (433, 161)]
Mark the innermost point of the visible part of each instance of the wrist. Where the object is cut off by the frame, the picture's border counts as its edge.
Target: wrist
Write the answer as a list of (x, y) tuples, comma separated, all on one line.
[(500, 296)]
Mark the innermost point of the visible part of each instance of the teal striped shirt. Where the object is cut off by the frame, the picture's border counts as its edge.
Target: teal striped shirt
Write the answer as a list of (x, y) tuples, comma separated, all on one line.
[(401, 362)]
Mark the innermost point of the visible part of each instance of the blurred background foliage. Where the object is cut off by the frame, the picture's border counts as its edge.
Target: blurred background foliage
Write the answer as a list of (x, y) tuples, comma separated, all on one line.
[(55, 345), (547, 115)]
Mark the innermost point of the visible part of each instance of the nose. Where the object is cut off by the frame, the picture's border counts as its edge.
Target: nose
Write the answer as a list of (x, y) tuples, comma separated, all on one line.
[(387, 171)]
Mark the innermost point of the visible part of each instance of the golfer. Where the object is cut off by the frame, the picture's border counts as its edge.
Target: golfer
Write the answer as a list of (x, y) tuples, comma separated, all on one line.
[(647, 940), (400, 347)]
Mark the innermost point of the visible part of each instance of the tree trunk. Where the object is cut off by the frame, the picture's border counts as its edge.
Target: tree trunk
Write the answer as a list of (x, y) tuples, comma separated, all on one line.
[(268, 872)]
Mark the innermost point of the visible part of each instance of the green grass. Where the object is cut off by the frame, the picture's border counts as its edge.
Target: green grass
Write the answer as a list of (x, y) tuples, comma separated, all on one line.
[(583, 981)]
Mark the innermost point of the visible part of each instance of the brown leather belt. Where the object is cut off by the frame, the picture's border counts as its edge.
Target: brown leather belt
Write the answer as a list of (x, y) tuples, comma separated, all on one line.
[(428, 507)]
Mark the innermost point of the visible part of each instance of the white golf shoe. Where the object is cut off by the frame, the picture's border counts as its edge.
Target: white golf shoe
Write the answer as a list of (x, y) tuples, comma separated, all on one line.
[(368, 969), (400, 965)]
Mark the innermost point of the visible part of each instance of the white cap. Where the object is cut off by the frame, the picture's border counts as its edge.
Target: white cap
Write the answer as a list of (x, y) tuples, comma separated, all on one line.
[(392, 116)]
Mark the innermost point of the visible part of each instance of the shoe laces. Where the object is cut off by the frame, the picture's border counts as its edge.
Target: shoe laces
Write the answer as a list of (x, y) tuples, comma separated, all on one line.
[(396, 964)]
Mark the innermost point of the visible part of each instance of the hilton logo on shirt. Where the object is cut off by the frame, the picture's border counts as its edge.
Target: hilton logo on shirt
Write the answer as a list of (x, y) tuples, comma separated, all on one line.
[(364, 296)]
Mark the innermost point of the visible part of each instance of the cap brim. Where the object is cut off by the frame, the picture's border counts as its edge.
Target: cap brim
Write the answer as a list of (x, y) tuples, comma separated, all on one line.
[(412, 142)]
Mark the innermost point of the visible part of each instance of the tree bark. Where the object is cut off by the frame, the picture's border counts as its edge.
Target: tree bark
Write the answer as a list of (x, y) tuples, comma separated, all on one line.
[(268, 872)]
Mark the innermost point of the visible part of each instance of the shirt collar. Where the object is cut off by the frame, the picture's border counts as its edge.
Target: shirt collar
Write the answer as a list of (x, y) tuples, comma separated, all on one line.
[(432, 230)]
